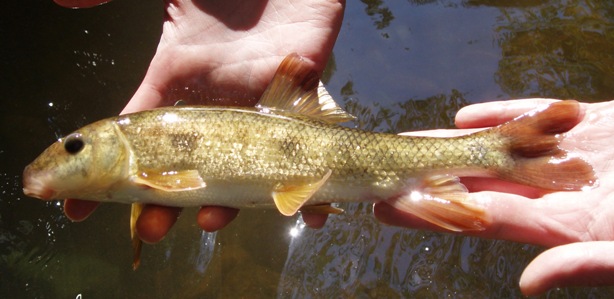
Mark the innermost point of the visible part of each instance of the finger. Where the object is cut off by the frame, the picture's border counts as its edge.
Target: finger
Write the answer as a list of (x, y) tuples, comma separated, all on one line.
[(477, 184), (155, 222), (215, 218), (495, 113), (507, 217), (148, 96), (315, 221), (475, 117), (498, 188), (576, 264), (80, 3), (387, 214), (78, 210), (440, 133)]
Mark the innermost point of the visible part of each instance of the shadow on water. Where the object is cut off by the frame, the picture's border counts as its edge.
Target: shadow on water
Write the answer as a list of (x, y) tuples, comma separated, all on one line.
[(398, 66)]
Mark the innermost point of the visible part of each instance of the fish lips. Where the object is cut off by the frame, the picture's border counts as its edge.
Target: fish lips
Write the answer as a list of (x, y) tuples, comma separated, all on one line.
[(35, 186)]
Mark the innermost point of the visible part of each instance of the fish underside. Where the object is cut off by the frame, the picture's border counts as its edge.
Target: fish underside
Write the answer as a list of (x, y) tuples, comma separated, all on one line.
[(289, 153)]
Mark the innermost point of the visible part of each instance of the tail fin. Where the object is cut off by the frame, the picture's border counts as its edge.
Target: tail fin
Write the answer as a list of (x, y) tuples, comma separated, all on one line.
[(533, 141)]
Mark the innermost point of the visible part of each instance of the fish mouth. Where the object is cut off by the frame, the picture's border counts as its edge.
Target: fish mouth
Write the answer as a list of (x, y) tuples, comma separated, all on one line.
[(36, 187), (37, 190)]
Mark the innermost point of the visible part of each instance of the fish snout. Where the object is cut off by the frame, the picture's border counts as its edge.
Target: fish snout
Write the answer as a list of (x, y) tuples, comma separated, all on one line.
[(34, 186)]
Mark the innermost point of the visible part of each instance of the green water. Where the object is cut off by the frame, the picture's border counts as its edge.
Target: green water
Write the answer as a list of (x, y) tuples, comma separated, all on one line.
[(398, 65)]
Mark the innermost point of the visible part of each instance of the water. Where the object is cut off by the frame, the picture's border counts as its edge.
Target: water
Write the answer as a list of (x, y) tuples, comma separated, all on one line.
[(398, 65)]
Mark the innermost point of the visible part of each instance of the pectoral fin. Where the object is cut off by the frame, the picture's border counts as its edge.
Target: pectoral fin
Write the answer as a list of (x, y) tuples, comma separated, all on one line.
[(137, 244), (443, 201), (289, 198), (171, 181)]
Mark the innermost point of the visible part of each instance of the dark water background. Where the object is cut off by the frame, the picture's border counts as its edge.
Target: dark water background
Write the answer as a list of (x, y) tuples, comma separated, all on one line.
[(398, 65)]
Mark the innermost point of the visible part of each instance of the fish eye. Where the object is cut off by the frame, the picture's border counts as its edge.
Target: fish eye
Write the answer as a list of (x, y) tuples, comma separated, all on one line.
[(73, 143)]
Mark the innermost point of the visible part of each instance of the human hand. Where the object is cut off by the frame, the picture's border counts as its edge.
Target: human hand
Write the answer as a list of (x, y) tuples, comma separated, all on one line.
[(223, 53), (579, 225)]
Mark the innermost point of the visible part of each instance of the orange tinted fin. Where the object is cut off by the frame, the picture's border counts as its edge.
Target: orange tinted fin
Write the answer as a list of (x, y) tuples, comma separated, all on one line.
[(533, 141), (289, 198), (296, 89), (170, 181), (137, 244), (443, 201)]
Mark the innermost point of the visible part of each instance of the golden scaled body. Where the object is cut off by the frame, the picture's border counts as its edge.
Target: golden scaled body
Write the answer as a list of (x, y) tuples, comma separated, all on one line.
[(241, 154)]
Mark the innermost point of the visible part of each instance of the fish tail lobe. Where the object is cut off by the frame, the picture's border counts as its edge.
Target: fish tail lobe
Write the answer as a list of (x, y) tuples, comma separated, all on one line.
[(537, 160)]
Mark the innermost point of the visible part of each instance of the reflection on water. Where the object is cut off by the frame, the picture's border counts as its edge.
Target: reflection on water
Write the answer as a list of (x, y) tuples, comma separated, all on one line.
[(561, 49), (31, 255), (354, 256), (414, 114), (398, 66), (205, 251)]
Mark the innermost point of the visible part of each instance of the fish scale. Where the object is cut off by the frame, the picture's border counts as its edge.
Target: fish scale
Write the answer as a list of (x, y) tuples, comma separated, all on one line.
[(227, 144)]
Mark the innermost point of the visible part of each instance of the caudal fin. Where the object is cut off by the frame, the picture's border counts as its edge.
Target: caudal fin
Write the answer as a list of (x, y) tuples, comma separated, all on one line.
[(533, 141)]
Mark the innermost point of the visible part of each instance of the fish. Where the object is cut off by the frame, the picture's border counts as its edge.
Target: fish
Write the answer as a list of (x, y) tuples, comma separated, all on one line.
[(290, 152)]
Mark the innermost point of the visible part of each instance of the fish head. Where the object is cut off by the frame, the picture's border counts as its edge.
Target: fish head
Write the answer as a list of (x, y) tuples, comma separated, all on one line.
[(82, 165)]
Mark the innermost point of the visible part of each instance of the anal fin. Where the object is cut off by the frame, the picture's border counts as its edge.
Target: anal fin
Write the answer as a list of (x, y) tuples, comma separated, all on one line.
[(443, 201)]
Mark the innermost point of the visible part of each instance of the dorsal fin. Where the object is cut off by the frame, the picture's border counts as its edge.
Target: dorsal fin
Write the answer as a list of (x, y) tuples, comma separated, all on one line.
[(296, 89)]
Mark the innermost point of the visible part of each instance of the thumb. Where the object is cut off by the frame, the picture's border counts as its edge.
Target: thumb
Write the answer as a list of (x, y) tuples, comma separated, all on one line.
[(575, 264), (148, 96), (152, 91), (491, 114)]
